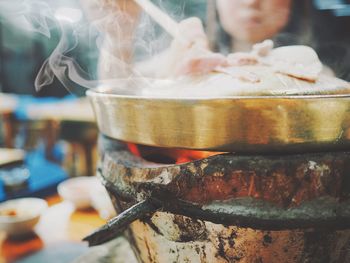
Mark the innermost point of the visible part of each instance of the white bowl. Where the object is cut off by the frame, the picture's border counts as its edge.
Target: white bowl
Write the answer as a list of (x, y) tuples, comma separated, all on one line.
[(101, 201), (19, 216), (77, 191)]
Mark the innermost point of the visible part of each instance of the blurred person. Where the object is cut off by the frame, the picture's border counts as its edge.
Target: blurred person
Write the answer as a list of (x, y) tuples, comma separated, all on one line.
[(117, 20), (252, 21), (241, 23)]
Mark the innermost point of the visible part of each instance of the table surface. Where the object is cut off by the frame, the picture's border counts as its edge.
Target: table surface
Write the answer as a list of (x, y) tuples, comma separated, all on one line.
[(60, 226), (44, 177), (79, 110)]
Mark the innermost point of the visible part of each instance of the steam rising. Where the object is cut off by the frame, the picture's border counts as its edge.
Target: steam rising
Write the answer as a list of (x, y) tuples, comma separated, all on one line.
[(38, 17), (104, 31), (59, 64), (29, 16)]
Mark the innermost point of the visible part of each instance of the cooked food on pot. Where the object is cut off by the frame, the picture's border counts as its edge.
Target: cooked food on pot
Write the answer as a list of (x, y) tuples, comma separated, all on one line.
[(246, 96), (288, 70)]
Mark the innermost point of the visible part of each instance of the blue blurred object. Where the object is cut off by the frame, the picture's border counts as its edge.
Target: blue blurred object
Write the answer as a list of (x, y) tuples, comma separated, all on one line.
[(44, 176), (337, 7)]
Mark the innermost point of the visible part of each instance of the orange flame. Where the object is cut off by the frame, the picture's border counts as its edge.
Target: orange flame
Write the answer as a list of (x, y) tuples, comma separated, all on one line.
[(178, 155)]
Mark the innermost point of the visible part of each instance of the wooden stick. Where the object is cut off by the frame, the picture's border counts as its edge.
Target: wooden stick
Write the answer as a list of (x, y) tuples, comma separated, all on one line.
[(162, 18), (117, 225)]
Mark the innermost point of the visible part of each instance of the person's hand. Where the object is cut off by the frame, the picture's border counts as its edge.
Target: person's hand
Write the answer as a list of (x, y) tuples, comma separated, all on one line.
[(117, 20), (189, 52), (113, 17)]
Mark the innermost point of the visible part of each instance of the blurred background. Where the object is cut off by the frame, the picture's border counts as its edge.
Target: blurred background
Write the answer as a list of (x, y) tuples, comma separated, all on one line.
[(49, 136)]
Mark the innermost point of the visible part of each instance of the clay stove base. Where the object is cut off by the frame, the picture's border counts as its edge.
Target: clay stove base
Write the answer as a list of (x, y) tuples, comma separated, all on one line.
[(221, 244), (238, 240), (322, 236)]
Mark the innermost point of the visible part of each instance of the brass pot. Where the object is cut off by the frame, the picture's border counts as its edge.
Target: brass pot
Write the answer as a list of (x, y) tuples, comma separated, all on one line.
[(244, 124)]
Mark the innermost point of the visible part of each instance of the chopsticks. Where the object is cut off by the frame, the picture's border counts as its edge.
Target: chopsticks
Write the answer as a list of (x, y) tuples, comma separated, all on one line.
[(162, 18)]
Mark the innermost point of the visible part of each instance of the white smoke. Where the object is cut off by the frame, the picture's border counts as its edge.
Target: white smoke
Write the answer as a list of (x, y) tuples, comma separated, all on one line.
[(28, 16), (59, 64), (103, 24)]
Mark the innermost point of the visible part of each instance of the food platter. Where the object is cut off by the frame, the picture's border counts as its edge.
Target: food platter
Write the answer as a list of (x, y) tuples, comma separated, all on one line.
[(242, 124)]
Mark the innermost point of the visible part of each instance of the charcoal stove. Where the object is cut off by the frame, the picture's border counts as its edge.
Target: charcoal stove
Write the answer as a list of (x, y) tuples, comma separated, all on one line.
[(227, 207)]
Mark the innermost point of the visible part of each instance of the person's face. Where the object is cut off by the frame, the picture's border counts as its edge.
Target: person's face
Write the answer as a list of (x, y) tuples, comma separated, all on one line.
[(253, 20)]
